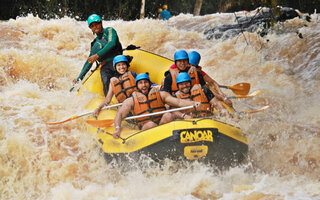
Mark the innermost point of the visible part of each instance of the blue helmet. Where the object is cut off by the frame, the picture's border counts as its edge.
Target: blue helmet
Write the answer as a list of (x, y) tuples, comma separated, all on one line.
[(180, 55), (141, 77), (120, 58), (183, 77), (194, 58), (93, 18)]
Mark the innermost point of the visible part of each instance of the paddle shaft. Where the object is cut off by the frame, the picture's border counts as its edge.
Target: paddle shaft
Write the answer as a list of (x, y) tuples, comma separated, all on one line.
[(80, 115), (238, 86), (254, 111), (223, 86), (108, 122), (105, 107), (251, 111), (245, 96), (159, 113)]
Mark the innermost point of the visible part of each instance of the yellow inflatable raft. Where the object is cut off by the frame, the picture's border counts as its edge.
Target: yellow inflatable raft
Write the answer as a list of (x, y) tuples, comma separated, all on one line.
[(202, 139)]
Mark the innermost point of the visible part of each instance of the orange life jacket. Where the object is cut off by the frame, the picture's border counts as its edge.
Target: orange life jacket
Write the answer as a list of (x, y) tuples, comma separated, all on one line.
[(148, 104), (175, 71), (196, 94), (123, 86)]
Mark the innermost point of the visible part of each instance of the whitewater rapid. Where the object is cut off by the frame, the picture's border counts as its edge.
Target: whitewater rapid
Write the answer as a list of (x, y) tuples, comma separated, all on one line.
[(40, 58)]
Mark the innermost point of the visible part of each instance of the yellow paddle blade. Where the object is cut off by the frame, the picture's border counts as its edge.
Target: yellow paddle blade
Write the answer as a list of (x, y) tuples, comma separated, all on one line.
[(249, 95), (63, 121), (240, 88), (255, 111), (104, 123)]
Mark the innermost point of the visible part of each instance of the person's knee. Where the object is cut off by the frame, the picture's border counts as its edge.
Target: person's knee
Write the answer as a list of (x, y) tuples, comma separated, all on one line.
[(148, 125), (167, 117)]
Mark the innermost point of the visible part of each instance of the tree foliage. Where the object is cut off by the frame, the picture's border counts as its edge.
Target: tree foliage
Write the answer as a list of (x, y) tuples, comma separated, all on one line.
[(130, 9)]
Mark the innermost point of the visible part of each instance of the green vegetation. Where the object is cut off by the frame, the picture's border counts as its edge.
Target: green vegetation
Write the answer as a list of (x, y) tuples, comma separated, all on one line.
[(130, 9)]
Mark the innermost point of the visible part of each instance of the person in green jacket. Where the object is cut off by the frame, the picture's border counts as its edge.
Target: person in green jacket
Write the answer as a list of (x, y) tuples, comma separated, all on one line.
[(103, 49)]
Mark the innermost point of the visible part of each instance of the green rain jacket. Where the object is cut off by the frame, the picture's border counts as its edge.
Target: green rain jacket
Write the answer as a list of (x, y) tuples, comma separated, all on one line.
[(106, 45)]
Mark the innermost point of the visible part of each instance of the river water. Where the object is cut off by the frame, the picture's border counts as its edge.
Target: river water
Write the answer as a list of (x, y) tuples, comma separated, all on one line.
[(40, 58)]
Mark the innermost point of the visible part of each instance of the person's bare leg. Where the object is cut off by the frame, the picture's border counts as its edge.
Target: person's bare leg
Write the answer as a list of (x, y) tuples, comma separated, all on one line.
[(148, 125), (167, 117)]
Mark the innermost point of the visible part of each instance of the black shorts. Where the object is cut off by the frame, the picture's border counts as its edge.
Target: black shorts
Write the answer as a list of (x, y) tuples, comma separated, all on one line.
[(107, 72)]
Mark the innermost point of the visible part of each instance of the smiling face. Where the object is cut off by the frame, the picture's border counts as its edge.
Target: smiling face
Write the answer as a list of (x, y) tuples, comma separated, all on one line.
[(143, 85), (121, 67), (96, 27), (184, 87), (182, 64)]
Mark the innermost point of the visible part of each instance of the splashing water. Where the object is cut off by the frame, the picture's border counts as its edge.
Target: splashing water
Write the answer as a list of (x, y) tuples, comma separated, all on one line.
[(40, 58)]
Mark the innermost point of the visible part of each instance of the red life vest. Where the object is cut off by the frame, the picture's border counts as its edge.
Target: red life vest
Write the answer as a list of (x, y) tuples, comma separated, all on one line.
[(196, 94), (175, 71), (199, 68), (148, 104), (123, 86)]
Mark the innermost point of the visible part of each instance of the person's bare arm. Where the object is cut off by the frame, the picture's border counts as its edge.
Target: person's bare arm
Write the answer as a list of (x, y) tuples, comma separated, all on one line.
[(214, 102), (220, 95), (93, 58), (180, 115), (215, 85), (127, 105), (105, 102), (172, 101)]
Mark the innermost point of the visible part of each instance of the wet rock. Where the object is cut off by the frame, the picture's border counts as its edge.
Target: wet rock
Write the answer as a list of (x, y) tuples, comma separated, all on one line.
[(252, 23)]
